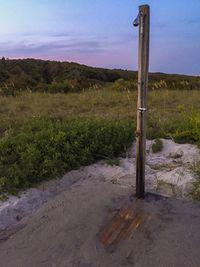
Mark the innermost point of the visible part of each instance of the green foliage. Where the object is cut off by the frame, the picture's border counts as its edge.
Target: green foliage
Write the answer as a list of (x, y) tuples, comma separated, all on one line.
[(43, 149), (190, 131), (3, 197), (113, 162), (54, 77), (187, 136), (157, 145), (196, 185), (33, 149), (63, 77), (123, 85)]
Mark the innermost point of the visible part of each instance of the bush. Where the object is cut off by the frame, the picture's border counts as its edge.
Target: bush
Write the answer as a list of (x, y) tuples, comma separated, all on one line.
[(44, 149), (188, 136), (123, 85)]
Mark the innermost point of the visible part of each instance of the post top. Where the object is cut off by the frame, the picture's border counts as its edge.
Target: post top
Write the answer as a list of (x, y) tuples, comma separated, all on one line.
[(144, 8)]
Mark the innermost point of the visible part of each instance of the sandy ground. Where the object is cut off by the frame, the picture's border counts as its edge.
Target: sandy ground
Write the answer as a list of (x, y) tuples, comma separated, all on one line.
[(90, 217), (167, 173), (95, 223)]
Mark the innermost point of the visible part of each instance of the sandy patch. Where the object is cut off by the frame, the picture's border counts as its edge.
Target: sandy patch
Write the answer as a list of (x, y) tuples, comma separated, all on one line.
[(167, 172)]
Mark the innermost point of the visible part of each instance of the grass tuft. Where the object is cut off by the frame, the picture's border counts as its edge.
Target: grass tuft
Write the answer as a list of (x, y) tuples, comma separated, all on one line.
[(157, 145), (196, 185), (113, 162)]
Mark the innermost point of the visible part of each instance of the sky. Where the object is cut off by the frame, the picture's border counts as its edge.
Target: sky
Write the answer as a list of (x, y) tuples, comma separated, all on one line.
[(100, 32)]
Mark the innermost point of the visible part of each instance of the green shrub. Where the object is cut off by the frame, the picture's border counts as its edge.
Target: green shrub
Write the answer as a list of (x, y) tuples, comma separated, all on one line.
[(123, 85), (157, 145), (43, 149), (188, 136)]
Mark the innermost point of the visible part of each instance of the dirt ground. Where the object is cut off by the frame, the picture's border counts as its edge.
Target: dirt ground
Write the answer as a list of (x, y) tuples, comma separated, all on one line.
[(95, 223)]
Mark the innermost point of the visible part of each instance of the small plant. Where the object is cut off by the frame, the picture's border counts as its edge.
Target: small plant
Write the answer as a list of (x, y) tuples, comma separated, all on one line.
[(157, 145), (3, 197), (9, 90), (113, 162), (196, 185)]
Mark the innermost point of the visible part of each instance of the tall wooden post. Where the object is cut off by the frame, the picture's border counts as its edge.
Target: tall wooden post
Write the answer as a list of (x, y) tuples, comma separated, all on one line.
[(143, 66)]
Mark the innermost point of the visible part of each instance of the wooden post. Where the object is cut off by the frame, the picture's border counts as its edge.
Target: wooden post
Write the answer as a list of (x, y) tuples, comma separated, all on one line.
[(143, 66)]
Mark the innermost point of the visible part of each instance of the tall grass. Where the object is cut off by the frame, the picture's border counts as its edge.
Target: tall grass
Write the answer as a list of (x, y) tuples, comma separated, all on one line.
[(106, 104)]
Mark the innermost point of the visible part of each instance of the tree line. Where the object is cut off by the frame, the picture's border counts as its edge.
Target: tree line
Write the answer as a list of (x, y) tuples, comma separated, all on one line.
[(53, 76)]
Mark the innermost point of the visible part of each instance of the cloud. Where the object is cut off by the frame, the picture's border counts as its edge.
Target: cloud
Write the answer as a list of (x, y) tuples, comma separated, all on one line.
[(92, 49), (61, 34), (61, 43), (65, 47), (47, 34)]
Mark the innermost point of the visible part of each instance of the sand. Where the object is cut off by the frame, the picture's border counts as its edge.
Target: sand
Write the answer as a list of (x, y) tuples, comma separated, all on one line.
[(168, 173), (95, 223)]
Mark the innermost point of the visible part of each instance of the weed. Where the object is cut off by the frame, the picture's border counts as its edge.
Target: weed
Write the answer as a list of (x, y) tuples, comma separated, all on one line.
[(157, 145), (196, 185), (113, 161), (3, 197)]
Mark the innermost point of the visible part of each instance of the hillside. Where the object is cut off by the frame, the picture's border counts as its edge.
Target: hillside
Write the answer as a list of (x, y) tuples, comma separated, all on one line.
[(52, 76)]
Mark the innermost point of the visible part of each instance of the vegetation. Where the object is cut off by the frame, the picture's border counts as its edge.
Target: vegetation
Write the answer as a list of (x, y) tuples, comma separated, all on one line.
[(196, 184), (157, 145), (46, 129), (113, 161), (44, 149), (168, 111), (45, 135), (63, 77)]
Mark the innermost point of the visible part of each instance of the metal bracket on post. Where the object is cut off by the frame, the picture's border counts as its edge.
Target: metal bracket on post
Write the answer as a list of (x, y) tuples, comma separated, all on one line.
[(142, 109)]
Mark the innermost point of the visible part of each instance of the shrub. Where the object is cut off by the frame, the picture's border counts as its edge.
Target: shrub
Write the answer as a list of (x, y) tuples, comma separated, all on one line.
[(188, 136), (43, 149), (123, 85)]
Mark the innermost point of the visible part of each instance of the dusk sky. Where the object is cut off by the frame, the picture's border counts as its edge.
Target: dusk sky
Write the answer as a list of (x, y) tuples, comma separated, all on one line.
[(100, 32)]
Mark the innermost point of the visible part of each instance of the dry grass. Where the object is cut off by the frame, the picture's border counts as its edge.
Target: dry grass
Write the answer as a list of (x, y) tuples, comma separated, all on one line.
[(102, 104)]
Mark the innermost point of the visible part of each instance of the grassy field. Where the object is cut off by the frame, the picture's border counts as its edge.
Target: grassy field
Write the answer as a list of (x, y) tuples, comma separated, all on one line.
[(43, 135), (168, 111), (106, 104)]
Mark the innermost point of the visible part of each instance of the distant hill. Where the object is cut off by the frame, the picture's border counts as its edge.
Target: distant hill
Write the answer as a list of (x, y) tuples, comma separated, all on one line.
[(53, 76)]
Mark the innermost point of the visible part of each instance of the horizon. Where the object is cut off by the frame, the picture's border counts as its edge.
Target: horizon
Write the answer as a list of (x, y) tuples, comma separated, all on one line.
[(101, 35), (123, 69)]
